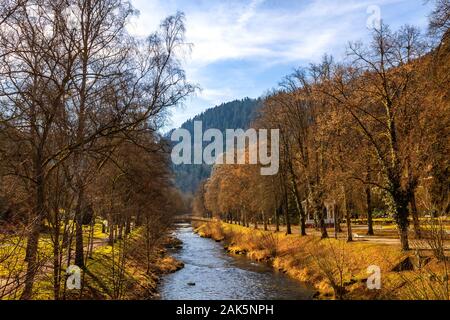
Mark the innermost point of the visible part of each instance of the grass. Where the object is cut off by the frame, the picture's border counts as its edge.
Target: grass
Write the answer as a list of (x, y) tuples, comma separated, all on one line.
[(100, 281)]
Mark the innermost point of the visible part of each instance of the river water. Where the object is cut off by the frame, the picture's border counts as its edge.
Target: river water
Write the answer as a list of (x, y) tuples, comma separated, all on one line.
[(220, 276)]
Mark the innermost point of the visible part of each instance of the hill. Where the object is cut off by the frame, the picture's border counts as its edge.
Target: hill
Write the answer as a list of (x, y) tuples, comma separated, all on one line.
[(231, 115)]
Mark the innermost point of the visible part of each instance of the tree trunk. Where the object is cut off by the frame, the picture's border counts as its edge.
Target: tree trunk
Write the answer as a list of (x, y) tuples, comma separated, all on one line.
[(401, 217), (120, 235), (33, 237), (111, 231), (277, 219), (322, 225), (404, 238), (31, 258), (302, 222), (264, 221), (288, 222), (347, 216), (369, 212), (91, 239), (79, 250), (56, 258), (128, 226), (398, 195), (415, 216), (336, 222), (286, 212), (138, 221), (299, 207)]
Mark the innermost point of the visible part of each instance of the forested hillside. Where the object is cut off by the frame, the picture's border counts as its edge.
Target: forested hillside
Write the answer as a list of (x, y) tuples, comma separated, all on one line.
[(230, 115)]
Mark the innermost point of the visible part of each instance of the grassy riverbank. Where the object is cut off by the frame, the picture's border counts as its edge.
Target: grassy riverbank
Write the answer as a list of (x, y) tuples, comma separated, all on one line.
[(335, 268), (108, 278), (119, 271)]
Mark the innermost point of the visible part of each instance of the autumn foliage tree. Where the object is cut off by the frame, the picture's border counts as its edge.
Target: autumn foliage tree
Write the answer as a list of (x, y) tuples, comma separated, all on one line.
[(368, 133)]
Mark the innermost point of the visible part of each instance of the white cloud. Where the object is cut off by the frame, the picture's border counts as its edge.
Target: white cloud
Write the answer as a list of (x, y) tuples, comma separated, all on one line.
[(249, 12), (266, 32), (231, 30)]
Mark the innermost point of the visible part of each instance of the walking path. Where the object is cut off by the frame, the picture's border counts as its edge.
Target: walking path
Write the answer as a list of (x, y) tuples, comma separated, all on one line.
[(382, 235)]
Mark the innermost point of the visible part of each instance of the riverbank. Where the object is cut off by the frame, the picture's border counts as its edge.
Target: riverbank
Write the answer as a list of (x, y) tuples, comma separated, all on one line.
[(120, 271), (335, 268), (139, 279)]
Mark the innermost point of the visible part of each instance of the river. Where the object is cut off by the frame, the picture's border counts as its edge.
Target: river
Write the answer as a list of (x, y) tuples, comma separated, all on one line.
[(212, 274)]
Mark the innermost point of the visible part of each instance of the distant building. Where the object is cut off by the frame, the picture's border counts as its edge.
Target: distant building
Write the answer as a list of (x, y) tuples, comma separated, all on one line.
[(331, 213)]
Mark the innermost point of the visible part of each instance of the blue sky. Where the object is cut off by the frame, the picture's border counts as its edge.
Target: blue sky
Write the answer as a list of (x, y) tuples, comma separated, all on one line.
[(245, 47)]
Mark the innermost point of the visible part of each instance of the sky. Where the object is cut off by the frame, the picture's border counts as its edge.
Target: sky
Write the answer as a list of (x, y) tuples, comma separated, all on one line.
[(243, 48)]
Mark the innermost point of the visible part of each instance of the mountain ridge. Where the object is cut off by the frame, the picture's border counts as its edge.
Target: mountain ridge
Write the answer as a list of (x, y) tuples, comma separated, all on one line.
[(236, 114)]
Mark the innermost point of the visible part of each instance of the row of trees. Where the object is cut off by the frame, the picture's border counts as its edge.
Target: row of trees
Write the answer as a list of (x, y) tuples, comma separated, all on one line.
[(80, 105), (368, 133)]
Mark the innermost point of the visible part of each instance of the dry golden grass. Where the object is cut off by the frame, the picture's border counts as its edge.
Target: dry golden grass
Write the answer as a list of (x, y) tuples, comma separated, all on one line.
[(328, 264), (168, 264)]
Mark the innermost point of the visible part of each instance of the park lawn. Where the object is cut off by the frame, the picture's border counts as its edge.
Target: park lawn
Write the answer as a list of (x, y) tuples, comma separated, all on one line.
[(99, 283)]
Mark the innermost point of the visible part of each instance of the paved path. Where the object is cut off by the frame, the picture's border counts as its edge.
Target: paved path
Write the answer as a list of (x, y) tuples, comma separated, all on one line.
[(382, 236)]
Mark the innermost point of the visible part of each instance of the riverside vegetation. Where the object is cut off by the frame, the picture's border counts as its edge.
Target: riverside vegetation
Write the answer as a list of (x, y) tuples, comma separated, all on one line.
[(336, 268)]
